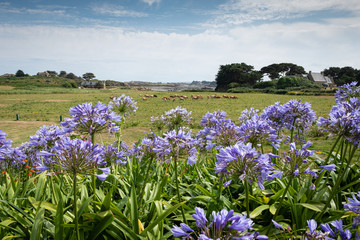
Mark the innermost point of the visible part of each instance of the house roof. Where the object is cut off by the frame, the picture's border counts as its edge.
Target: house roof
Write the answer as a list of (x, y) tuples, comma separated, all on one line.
[(318, 77)]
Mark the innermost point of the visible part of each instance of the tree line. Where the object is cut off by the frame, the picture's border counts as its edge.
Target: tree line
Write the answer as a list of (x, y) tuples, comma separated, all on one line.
[(243, 75), (63, 74)]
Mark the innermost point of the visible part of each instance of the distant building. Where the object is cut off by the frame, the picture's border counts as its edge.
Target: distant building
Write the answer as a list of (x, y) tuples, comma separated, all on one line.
[(93, 84), (43, 74), (8, 75), (320, 79)]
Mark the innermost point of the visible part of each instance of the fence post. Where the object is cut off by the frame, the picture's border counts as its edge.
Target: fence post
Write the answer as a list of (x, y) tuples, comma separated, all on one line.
[(17, 117), (61, 118)]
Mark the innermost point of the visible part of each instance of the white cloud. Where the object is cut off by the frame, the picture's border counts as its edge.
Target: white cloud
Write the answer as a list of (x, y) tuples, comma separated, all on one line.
[(151, 2), (113, 53), (118, 11), (245, 11)]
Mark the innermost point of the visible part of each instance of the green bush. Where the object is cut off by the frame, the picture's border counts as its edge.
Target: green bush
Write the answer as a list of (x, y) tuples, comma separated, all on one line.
[(67, 85), (267, 84), (295, 83)]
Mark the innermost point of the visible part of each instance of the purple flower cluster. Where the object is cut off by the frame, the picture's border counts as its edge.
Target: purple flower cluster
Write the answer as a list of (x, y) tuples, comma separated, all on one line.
[(88, 119), (347, 91), (257, 130), (343, 120), (74, 156), (179, 143), (293, 115), (3, 142), (123, 105), (218, 131), (354, 206), (224, 225), (10, 158), (173, 119), (243, 162), (329, 233)]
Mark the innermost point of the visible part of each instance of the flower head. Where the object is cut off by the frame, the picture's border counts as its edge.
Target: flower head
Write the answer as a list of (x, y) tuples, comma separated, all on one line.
[(243, 162), (123, 105), (88, 119), (223, 225)]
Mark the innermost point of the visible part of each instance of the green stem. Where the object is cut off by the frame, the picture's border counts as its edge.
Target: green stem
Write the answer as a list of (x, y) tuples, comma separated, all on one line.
[(281, 200), (338, 180), (178, 191), (246, 184), (145, 180), (77, 233)]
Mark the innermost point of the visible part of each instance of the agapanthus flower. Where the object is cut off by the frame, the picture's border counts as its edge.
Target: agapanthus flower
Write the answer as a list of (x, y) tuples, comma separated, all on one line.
[(257, 131), (173, 119), (297, 161), (314, 234), (88, 119), (4, 143), (354, 206), (123, 105), (46, 136), (242, 162), (179, 143), (11, 158), (343, 120), (293, 115), (218, 131), (337, 232), (223, 225), (347, 91), (74, 156), (112, 154), (248, 114)]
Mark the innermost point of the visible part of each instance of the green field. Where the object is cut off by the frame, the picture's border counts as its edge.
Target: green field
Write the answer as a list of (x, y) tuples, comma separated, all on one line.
[(46, 106)]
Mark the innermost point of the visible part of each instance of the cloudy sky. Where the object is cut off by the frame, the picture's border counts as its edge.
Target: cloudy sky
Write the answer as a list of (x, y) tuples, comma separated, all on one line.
[(175, 40)]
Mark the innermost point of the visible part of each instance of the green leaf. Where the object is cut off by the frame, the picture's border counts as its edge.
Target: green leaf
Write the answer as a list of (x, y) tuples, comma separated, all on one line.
[(38, 224), (160, 218), (101, 225), (273, 208), (257, 211), (126, 230), (106, 203), (315, 207), (134, 209), (59, 217)]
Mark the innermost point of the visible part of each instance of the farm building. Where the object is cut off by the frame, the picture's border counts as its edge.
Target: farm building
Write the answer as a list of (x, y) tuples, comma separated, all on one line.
[(320, 79)]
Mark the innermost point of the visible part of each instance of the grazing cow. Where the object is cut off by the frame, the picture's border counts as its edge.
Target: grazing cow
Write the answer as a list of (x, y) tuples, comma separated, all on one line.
[(233, 97), (144, 98), (111, 97), (225, 96)]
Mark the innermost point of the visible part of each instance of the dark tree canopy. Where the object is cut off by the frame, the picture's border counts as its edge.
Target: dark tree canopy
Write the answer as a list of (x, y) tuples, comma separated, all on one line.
[(71, 76), (278, 70), (88, 76), (20, 73), (343, 75), (62, 74), (239, 74)]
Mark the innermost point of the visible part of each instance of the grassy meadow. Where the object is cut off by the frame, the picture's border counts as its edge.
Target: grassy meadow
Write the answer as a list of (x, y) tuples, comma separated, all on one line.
[(45, 106)]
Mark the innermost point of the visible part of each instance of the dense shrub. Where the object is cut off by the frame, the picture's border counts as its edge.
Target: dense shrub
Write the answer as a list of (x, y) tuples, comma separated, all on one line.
[(292, 82), (266, 84)]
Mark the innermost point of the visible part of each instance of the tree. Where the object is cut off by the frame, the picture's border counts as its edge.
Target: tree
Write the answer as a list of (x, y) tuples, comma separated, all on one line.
[(277, 70), (88, 76), (20, 73), (62, 74), (239, 74), (343, 75), (71, 76)]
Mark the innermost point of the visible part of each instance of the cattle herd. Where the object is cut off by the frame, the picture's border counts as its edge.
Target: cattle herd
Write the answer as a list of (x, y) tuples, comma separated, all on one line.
[(184, 97)]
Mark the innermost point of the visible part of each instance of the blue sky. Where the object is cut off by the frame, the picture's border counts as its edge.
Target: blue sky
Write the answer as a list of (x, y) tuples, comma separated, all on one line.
[(175, 40)]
